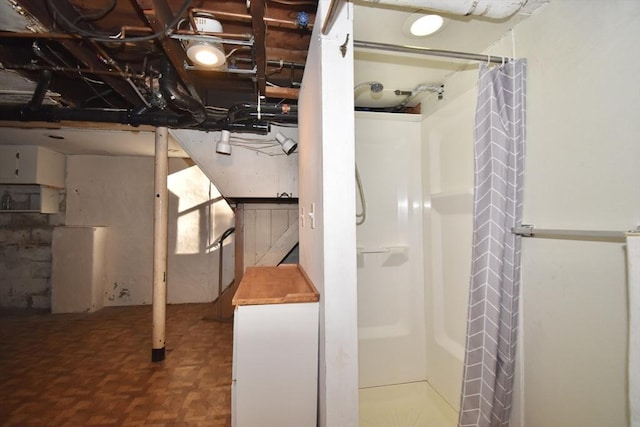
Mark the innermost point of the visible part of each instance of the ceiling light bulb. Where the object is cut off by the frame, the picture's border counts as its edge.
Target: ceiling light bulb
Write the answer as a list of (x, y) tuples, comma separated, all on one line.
[(206, 57), (426, 25), (206, 54)]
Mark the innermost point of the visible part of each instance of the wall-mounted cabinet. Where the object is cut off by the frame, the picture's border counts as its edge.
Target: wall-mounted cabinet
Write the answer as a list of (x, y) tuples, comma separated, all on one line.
[(29, 198), (30, 178), (31, 164)]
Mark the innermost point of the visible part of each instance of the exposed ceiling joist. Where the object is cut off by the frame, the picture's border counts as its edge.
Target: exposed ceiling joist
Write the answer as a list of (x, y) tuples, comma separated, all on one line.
[(126, 61), (39, 10), (260, 49), (158, 19)]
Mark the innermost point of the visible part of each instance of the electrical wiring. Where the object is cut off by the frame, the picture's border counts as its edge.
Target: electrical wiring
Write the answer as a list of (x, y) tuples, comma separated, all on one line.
[(285, 125), (218, 109), (88, 79), (216, 112), (40, 54), (106, 38), (261, 146), (99, 95), (255, 140), (259, 150)]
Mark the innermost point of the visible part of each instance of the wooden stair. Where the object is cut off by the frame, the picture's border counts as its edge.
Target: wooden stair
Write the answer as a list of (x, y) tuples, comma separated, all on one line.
[(222, 306)]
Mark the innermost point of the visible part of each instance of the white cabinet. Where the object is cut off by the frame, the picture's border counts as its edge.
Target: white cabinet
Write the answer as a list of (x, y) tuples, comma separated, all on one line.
[(31, 164), (275, 349), (30, 177), (78, 272), (30, 198)]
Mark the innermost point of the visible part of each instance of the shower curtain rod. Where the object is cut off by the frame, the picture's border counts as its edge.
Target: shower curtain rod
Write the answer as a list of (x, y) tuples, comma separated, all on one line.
[(431, 52), (531, 231)]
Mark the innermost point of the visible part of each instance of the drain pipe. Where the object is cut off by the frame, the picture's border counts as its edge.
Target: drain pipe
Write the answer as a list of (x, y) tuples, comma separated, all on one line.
[(178, 97), (40, 92), (129, 117), (160, 215)]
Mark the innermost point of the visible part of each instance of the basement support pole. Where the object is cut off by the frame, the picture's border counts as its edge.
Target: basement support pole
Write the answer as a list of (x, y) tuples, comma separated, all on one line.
[(160, 211)]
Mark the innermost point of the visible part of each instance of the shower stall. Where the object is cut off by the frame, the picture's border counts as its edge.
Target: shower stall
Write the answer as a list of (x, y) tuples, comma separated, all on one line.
[(414, 251), (389, 245)]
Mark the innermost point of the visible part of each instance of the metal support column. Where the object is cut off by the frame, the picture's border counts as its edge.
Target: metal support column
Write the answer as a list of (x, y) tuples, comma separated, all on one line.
[(160, 211)]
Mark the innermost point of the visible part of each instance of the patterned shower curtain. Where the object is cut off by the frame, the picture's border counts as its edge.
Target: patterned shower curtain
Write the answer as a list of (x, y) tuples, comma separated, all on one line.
[(495, 272)]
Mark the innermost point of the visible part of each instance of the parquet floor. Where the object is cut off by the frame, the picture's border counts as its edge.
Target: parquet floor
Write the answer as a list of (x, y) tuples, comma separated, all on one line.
[(95, 369)]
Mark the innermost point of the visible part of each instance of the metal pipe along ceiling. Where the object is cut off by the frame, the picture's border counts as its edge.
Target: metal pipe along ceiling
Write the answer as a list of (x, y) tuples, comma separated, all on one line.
[(497, 9)]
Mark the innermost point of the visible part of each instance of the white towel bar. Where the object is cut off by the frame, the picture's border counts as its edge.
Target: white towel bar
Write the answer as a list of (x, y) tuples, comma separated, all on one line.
[(531, 231)]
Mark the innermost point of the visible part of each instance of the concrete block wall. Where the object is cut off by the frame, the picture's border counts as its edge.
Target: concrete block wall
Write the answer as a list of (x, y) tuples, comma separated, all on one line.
[(25, 260)]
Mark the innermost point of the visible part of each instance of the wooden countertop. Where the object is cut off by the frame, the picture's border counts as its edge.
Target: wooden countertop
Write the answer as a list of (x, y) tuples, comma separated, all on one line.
[(275, 285)]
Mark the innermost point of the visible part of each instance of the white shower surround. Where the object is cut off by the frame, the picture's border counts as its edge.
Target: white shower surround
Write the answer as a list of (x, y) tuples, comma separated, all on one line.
[(391, 319)]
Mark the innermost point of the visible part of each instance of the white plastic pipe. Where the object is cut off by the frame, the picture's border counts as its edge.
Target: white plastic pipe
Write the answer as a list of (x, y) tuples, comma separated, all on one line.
[(160, 211), (496, 9)]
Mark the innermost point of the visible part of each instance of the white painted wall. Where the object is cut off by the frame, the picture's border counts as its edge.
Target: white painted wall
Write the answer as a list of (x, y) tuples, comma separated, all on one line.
[(327, 248), (257, 166), (582, 173), (117, 192)]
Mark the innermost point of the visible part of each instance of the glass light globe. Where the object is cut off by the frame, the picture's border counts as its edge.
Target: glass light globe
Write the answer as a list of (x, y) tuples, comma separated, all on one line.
[(425, 25)]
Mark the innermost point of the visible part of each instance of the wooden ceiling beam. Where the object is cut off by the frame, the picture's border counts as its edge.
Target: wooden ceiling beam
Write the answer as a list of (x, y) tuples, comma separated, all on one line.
[(282, 92), (39, 10), (257, 9)]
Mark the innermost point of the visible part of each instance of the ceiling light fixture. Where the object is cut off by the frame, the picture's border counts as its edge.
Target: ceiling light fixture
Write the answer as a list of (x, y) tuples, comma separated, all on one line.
[(224, 146), (206, 53), (421, 25), (288, 144)]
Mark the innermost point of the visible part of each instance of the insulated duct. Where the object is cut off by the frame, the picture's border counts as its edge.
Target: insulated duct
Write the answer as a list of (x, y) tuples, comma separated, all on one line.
[(497, 9)]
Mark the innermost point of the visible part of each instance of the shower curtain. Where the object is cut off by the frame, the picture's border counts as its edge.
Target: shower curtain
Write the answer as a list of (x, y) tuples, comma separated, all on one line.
[(495, 271)]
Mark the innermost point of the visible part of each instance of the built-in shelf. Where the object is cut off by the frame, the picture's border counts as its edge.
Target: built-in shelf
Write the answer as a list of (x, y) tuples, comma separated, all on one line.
[(452, 202), (30, 198)]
